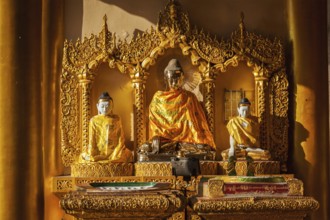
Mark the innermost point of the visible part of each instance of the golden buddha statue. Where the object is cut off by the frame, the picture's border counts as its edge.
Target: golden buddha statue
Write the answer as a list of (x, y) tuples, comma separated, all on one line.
[(244, 135), (177, 123), (106, 136)]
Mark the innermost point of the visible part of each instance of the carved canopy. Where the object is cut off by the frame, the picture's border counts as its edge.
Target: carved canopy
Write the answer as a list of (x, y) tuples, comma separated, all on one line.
[(212, 56)]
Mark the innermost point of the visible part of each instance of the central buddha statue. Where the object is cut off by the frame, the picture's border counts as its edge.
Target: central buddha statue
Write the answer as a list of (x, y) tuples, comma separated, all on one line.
[(177, 123)]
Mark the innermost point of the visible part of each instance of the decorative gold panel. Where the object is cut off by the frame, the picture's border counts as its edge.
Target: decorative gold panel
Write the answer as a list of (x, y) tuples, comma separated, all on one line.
[(153, 169), (254, 204), (88, 205), (101, 169), (259, 167), (210, 55), (165, 168)]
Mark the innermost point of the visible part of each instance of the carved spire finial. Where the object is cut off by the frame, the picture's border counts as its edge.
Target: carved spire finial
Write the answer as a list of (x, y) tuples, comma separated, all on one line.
[(242, 31), (105, 25)]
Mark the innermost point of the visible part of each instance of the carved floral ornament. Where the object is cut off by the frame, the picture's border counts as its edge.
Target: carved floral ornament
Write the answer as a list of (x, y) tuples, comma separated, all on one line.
[(210, 55)]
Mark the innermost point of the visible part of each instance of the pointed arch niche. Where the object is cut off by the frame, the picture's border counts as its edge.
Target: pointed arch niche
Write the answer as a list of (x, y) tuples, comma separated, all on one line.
[(140, 63)]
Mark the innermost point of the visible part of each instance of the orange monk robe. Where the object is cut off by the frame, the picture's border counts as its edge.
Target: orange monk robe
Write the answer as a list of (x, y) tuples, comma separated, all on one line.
[(247, 135), (177, 115)]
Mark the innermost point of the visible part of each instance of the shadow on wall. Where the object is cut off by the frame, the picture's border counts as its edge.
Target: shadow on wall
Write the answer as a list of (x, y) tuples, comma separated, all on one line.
[(299, 167), (218, 16)]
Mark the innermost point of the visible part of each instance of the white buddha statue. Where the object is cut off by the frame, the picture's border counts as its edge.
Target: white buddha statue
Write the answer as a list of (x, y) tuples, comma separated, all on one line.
[(244, 135), (106, 135)]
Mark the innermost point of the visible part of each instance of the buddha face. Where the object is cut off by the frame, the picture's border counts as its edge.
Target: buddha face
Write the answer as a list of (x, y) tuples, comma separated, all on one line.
[(174, 79), (243, 111), (104, 107)]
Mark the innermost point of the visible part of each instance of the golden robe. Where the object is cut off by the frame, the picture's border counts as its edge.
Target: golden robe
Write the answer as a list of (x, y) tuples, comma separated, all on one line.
[(247, 135), (106, 140), (177, 115)]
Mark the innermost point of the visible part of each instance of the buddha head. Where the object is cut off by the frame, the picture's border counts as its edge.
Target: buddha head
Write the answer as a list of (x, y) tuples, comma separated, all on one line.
[(104, 104), (173, 75), (244, 108)]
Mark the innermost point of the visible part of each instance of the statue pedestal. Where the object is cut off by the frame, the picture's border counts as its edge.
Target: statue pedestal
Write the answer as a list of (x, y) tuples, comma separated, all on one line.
[(120, 205), (256, 208), (168, 203), (164, 168), (96, 169)]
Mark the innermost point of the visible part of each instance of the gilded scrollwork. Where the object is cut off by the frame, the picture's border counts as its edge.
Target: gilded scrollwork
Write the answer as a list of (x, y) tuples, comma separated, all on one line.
[(296, 187), (63, 185), (279, 123), (101, 169), (261, 87), (173, 20), (215, 187), (177, 216), (153, 169), (106, 205), (80, 59), (70, 138), (259, 167), (251, 204), (210, 49)]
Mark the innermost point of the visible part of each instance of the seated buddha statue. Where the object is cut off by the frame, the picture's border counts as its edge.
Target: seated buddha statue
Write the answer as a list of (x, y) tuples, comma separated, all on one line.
[(177, 123), (244, 135), (106, 136)]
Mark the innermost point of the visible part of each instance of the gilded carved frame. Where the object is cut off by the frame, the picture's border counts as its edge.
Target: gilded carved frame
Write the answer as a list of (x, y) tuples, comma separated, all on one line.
[(211, 56)]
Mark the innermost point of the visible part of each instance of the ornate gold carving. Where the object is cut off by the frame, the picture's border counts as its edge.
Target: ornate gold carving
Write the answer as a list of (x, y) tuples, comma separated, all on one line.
[(261, 89), (165, 168), (195, 217), (279, 123), (61, 184), (183, 184), (139, 109), (70, 136), (254, 204), (68, 183), (153, 169), (173, 22), (101, 169), (215, 187), (210, 49), (106, 205), (162, 179), (177, 216), (264, 167), (85, 103), (296, 187), (139, 48), (208, 167), (258, 50), (209, 102), (259, 167), (80, 59), (90, 52), (173, 30)]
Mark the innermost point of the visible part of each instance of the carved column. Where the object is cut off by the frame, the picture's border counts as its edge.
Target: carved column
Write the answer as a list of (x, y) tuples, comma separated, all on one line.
[(209, 100), (261, 88), (138, 81), (85, 84)]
